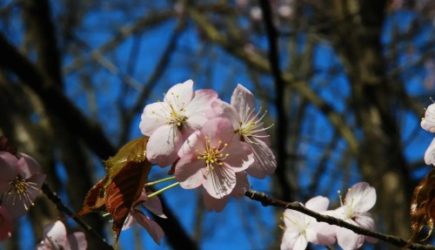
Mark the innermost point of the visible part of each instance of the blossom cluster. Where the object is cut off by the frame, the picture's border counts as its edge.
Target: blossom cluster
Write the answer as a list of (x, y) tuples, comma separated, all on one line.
[(301, 229), (428, 124), (210, 144), (20, 183)]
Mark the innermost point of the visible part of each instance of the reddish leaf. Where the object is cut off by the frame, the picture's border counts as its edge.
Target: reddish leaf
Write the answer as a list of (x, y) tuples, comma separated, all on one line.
[(127, 173), (123, 191), (423, 205), (95, 199)]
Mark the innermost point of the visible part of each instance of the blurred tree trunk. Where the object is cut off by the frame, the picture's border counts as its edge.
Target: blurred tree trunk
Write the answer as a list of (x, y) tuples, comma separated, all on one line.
[(374, 100)]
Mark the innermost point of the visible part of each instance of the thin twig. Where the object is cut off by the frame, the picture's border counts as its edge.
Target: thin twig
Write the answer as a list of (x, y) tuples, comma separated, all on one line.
[(66, 210), (394, 240)]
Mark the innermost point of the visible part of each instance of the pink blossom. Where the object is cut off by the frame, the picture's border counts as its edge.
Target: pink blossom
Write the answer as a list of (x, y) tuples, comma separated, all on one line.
[(137, 216), (301, 229), (20, 182), (247, 123), (55, 237), (211, 157), (428, 121), (170, 122), (360, 198), (5, 224)]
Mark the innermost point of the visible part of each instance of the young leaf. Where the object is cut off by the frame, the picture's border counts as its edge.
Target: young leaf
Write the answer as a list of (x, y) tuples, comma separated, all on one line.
[(116, 193)]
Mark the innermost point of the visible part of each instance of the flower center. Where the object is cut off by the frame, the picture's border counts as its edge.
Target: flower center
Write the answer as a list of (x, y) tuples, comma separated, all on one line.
[(20, 188), (251, 125), (213, 156), (176, 118)]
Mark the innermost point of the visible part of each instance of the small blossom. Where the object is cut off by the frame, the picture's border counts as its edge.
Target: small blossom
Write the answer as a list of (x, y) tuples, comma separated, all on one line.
[(360, 198), (5, 224), (168, 123), (301, 229), (211, 157), (428, 121), (248, 125), (137, 216), (55, 237), (20, 182)]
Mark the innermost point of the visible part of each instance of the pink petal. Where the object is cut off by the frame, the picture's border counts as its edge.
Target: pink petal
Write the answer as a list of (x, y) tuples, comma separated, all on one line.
[(242, 99), (265, 162), (154, 115), (361, 197), (187, 172), (5, 224), (163, 145), (27, 166), (78, 241), (55, 233), (220, 181), (218, 130), (225, 110), (347, 239), (8, 169), (129, 222), (180, 95), (155, 206), (429, 154), (321, 233), (200, 110), (242, 185), (213, 204), (318, 204), (193, 144), (365, 221), (151, 226), (240, 156)]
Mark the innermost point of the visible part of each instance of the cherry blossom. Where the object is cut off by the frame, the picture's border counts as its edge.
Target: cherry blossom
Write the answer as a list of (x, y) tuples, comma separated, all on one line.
[(248, 125), (55, 237), (170, 122), (428, 121), (137, 216), (360, 198), (5, 224), (211, 157), (301, 229), (20, 182)]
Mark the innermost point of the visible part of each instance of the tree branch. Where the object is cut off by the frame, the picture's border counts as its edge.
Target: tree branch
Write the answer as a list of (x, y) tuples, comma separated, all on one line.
[(297, 206)]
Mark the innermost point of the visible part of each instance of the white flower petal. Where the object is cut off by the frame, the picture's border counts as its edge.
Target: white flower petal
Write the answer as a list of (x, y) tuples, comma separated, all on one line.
[(179, 95), (163, 145), (429, 154), (318, 203), (428, 121), (154, 115), (361, 197)]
